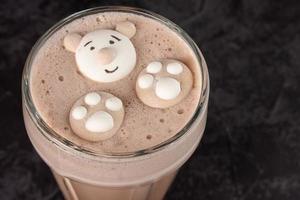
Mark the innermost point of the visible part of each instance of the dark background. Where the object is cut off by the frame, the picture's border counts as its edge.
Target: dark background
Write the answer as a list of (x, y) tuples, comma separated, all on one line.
[(251, 147)]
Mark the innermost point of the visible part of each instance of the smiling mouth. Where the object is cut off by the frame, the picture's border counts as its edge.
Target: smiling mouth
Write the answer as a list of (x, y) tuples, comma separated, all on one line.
[(111, 71)]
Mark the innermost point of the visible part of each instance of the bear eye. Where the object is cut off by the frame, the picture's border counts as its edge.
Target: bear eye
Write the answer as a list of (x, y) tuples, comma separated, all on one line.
[(92, 48), (111, 42)]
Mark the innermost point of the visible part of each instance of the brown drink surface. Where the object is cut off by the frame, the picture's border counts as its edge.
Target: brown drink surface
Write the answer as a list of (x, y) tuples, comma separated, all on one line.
[(56, 84)]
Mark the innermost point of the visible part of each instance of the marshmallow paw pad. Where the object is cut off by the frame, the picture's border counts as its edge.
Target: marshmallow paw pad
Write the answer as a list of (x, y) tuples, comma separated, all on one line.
[(164, 83), (96, 116)]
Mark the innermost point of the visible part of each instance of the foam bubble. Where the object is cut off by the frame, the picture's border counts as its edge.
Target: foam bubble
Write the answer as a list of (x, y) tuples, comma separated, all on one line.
[(61, 78), (149, 137), (180, 111)]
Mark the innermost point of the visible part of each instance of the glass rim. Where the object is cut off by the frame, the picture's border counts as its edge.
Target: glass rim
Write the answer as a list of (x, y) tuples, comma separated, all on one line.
[(65, 144)]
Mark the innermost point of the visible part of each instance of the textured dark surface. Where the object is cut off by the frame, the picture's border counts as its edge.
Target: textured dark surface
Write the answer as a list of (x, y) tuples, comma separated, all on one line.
[(251, 148)]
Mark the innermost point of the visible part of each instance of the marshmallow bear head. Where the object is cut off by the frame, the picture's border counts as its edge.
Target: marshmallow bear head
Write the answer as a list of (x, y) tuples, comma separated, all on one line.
[(104, 55)]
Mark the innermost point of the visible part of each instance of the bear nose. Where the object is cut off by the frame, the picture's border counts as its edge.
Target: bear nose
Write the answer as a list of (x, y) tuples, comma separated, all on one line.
[(106, 55)]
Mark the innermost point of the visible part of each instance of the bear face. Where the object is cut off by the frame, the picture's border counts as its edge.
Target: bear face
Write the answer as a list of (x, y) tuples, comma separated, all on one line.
[(104, 55)]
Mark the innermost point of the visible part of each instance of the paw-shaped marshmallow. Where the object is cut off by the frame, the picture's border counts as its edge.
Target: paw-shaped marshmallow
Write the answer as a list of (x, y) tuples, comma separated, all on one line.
[(164, 83), (104, 55), (96, 116)]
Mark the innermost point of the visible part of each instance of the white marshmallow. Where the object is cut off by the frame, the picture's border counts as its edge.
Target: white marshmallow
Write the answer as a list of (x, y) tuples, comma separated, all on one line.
[(154, 67), (174, 68), (92, 98), (79, 112), (100, 121), (145, 81), (167, 88), (105, 56), (114, 104)]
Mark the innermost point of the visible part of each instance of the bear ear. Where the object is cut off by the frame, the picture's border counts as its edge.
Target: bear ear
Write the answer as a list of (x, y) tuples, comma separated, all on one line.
[(127, 28), (71, 41)]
